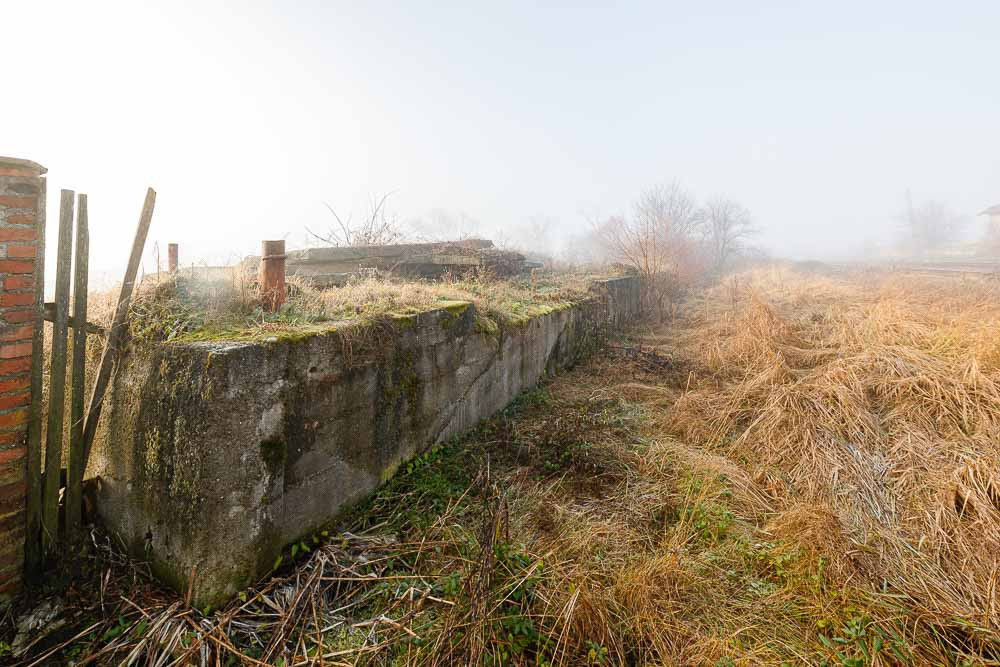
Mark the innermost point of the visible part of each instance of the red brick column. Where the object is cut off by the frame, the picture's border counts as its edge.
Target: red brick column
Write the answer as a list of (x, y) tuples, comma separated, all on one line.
[(22, 202)]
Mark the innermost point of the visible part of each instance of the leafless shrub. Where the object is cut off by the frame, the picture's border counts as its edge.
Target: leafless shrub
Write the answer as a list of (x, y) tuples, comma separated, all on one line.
[(659, 240), (380, 227)]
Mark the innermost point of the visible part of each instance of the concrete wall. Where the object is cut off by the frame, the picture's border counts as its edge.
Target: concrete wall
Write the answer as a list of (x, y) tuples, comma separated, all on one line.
[(22, 207), (216, 455)]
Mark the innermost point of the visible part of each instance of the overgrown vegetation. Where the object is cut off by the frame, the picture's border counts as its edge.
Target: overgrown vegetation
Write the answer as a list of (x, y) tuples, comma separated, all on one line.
[(868, 412), (800, 471), (178, 309)]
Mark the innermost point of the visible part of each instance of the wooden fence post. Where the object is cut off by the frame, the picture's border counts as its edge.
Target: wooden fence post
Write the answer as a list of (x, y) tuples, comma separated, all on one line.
[(272, 275), (172, 258), (75, 465), (57, 376)]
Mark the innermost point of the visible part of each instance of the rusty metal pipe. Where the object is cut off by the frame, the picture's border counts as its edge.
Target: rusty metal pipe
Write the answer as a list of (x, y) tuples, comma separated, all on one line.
[(272, 275)]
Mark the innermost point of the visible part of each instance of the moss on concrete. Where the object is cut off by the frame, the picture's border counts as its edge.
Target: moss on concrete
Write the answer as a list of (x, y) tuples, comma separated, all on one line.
[(486, 325), (456, 307), (277, 332), (404, 321), (514, 314)]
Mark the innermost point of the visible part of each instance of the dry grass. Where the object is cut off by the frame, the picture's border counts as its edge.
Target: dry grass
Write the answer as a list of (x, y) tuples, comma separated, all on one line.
[(100, 310), (801, 471), (868, 408), (502, 300), (185, 309)]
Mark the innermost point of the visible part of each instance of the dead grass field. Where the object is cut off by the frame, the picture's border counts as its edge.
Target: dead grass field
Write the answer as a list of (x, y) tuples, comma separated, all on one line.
[(802, 469)]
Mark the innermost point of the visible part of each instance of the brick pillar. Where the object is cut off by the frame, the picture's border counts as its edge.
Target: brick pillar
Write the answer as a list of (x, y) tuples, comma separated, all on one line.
[(22, 205)]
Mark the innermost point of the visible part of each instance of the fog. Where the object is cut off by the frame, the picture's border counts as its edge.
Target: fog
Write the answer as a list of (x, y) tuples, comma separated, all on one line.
[(511, 121)]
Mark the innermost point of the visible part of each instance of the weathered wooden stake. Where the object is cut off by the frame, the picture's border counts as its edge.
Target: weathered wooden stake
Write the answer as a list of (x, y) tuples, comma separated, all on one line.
[(75, 471), (33, 554), (172, 257), (117, 325), (272, 275), (57, 376)]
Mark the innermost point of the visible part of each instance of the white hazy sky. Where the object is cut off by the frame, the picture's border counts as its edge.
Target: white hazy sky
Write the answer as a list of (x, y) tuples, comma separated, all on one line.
[(246, 116)]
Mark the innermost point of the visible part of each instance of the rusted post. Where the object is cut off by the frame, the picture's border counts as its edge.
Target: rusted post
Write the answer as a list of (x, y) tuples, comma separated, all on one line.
[(272, 275), (172, 258)]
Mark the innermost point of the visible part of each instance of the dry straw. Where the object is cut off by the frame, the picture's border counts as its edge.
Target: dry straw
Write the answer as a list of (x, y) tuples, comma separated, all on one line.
[(869, 408)]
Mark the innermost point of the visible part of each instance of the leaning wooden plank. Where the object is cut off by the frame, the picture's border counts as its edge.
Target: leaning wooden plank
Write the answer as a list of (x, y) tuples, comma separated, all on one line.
[(74, 476), (33, 514), (57, 376), (113, 341)]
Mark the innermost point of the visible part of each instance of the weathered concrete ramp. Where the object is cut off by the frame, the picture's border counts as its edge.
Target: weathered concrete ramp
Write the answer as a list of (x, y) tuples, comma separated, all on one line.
[(216, 455)]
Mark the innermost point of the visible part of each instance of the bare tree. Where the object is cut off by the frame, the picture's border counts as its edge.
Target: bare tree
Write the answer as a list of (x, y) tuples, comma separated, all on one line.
[(657, 240), (379, 227), (727, 227), (931, 224)]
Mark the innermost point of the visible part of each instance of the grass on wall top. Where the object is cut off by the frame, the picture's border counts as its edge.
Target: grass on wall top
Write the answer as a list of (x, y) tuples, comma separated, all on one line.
[(186, 310)]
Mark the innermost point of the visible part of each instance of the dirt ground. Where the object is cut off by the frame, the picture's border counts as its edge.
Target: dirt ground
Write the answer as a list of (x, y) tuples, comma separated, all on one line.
[(802, 468)]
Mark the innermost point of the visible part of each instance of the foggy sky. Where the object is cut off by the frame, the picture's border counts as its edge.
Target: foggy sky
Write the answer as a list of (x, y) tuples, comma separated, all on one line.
[(245, 118)]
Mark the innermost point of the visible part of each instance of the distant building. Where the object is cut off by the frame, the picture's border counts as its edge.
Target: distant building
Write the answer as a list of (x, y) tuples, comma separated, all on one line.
[(992, 221)]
